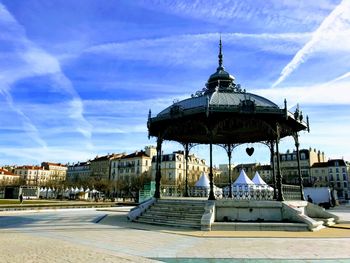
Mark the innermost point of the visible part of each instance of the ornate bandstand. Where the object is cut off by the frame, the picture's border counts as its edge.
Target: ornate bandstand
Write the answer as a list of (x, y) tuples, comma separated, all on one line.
[(224, 114)]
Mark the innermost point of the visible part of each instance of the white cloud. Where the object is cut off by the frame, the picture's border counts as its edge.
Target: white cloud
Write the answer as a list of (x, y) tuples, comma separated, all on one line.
[(332, 34), (266, 13), (334, 92), (52, 154), (192, 49), (29, 60)]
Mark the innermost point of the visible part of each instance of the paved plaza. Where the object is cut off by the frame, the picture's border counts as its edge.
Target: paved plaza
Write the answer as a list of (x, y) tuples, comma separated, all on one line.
[(90, 235)]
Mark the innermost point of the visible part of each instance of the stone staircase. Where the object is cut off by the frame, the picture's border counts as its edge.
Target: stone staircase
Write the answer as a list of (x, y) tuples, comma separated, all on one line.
[(184, 213)]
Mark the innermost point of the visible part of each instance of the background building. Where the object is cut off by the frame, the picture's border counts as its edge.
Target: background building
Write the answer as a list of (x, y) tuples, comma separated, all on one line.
[(79, 172), (33, 175), (289, 165), (101, 166), (8, 178), (173, 168), (58, 172), (335, 174), (132, 165)]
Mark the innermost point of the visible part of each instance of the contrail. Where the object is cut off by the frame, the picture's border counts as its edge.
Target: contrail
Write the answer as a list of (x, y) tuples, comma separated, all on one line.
[(320, 34)]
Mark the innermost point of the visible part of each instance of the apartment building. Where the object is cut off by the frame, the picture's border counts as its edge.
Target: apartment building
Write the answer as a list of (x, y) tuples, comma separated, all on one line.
[(33, 175), (335, 174), (173, 168), (289, 165), (58, 171), (100, 167), (8, 178), (78, 172), (134, 164)]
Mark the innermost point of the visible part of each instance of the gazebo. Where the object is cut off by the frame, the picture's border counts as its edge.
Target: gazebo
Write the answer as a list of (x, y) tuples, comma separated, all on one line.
[(224, 114)]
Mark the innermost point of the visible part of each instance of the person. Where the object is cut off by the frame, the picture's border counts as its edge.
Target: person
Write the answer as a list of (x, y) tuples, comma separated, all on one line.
[(21, 198), (309, 199)]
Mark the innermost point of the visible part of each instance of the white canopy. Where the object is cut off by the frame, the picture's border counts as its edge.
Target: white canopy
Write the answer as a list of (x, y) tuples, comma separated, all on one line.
[(258, 180), (203, 181), (242, 179), (260, 183)]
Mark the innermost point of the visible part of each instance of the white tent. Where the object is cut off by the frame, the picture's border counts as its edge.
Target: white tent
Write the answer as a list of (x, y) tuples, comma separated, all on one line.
[(242, 184), (66, 193), (243, 180), (201, 187), (203, 181), (258, 180), (260, 183)]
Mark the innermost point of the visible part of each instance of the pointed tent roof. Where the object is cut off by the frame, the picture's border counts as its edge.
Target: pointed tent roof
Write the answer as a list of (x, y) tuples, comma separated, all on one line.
[(243, 179), (258, 180), (203, 181)]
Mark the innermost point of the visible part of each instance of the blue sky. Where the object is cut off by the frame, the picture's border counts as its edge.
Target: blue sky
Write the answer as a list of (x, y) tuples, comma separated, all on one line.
[(77, 78)]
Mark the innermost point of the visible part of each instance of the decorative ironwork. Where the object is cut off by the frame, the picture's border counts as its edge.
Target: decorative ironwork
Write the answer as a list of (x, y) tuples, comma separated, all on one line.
[(247, 106), (249, 150), (229, 148), (300, 177), (291, 192), (188, 147), (176, 111), (249, 192)]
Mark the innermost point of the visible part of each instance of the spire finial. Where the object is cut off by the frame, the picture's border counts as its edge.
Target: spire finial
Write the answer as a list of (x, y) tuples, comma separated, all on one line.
[(220, 54)]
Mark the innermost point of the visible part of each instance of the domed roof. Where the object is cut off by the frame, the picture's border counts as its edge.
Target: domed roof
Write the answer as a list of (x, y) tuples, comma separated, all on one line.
[(228, 100), (227, 112), (221, 77), (220, 91)]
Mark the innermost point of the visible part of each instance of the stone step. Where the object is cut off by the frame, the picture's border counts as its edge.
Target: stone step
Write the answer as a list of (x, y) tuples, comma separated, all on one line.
[(177, 209), (181, 203), (175, 214), (174, 218), (261, 226), (178, 205), (168, 223)]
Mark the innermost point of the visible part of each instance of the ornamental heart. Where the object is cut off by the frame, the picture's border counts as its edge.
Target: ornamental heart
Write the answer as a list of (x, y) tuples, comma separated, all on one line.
[(250, 151)]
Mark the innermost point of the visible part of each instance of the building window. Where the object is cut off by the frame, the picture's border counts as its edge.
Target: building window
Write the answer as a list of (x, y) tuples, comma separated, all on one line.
[(345, 185), (302, 156), (289, 157), (331, 178), (345, 177), (283, 157), (343, 169), (337, 170), (180, 166), (338, 184), (294, 157), (337, 177)]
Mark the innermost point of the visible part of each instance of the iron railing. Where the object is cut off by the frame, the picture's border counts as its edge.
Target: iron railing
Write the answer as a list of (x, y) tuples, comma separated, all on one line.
[(291, 192)]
